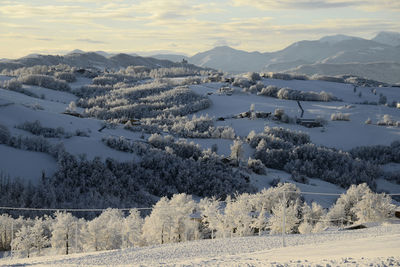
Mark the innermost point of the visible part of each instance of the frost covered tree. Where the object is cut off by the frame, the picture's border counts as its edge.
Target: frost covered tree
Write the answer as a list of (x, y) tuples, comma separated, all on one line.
[(40, 240), (6, 225), (71, 107), (63, 232), (228, 133), (310, 217), (170, 221), (4, 134), (210, 213), (183, 207), (288, 212), (24, 241), (238, 215), (237, 150), (132, 229), (342, 211), (104, 232), (374, 207), (261, 221), (157, 224)]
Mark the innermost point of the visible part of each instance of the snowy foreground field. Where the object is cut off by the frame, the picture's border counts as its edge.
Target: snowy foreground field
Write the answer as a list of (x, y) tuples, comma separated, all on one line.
[(375, 246)]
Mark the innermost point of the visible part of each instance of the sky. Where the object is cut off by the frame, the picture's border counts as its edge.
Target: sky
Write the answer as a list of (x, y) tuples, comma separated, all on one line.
[(183, 26)]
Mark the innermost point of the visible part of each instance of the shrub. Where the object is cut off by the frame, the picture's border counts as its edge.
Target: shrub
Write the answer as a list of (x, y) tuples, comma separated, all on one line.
[(256, 166), (340, 116), (378, 154), (36, 128), (45, 81), (294, 137), (388, 121), (270, 90), (241, 82), (327, 78), (253, 76), (382, 100), (66, 76), (299, 178), (4, 134), (12, 84), (291, 94), (104, 81)]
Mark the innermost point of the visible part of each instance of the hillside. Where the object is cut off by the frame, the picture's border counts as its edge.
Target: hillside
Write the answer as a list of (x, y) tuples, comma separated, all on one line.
[(175, 155), (336, 49), (389, 38), (228, 59), (90, 60), (377, 246), (166, 107), (381, 71)]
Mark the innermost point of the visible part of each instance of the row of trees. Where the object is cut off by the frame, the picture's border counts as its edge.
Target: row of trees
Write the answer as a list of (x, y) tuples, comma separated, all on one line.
[(292, 151), (180, 219), (45, 81), (143, 101), (183, 126), (292, 94)]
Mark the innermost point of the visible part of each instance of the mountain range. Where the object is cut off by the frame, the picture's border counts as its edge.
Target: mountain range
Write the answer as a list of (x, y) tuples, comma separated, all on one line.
[(100, 60), (377, 58), (330, 55)]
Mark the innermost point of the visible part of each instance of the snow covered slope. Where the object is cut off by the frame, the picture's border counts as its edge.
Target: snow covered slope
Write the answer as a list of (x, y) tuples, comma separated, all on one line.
[(377, 245), (381, 71), (389, 38), (17, 108)]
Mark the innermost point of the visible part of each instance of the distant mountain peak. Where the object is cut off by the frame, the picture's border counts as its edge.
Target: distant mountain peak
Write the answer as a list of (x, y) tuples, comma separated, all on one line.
[(223, 48), (388, 38), (76, 51), (333, 39)]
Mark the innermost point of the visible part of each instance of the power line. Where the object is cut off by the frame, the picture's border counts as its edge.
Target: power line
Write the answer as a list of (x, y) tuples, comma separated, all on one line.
[(71, 210), (146, 208)]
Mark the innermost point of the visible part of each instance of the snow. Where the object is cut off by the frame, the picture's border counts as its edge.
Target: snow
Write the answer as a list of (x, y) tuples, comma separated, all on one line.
[(26, 165), (16, 108), (339, 134), (375, 245), (5, 78), (80, 81), (51, 95)]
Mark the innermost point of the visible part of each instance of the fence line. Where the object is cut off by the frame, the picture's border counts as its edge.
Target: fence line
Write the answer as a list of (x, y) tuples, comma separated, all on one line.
[(150, 208)]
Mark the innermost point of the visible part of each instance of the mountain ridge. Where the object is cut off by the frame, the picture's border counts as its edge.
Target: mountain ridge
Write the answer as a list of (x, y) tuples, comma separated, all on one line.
[(91, 60)]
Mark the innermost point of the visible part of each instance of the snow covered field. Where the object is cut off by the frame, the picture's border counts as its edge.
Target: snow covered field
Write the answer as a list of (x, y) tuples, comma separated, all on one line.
[(339, 134), (124, 165), (17, 108), (376, 246)]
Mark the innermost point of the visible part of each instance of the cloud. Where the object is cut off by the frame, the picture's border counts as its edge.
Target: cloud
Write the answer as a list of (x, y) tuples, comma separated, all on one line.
[(44, 39), (319, 4), (224, 42), (25, 10), (86, 40)]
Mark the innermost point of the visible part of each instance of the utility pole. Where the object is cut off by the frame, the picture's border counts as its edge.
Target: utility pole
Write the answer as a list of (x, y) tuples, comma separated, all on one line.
[(12, 235), (284, 220), (76, 237)]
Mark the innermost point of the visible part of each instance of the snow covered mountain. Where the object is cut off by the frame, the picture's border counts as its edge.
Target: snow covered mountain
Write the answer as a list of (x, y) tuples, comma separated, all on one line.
[(389, 38), (228, 59), (336, 49)]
